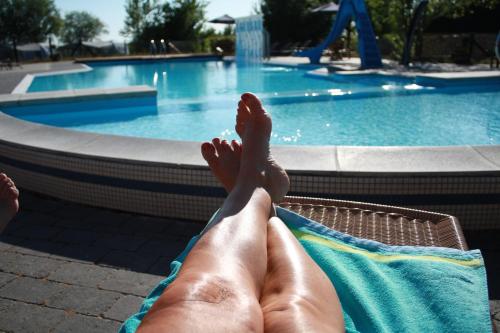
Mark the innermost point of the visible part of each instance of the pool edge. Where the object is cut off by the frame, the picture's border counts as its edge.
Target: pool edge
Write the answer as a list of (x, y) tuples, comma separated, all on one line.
[(169, 178)]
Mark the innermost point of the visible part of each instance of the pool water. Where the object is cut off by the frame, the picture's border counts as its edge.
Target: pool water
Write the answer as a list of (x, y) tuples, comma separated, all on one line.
[(197, 101)]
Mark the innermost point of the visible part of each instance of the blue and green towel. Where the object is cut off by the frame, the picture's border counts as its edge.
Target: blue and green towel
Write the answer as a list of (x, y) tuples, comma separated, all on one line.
[(383, 288)]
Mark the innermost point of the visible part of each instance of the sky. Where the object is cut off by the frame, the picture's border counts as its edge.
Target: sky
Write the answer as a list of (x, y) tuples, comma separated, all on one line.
[(112, 12)]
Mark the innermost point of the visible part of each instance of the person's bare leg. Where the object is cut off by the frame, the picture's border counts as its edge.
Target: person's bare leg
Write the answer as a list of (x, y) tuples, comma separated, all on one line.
[(9, 203), (219, 285), (297, 294)]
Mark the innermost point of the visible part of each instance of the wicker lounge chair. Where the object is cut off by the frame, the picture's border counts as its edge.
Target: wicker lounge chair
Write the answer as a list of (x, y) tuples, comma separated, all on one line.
[(386, 224)]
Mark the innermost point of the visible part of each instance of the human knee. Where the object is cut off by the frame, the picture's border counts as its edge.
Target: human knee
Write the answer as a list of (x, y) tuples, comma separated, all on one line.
[(204, 288)]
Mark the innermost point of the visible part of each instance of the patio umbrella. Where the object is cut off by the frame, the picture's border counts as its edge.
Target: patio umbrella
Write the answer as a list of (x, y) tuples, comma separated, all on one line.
[(224, 19), (330, 7)]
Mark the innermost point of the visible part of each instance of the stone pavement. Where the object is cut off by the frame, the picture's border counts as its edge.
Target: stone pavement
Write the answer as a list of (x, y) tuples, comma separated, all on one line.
[(67, 267)]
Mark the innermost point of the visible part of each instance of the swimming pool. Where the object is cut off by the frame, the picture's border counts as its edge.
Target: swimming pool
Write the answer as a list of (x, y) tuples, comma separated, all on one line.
[(197, 99)]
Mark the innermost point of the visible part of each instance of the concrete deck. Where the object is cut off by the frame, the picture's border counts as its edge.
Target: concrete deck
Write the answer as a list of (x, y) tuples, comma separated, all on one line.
[(72, 267)]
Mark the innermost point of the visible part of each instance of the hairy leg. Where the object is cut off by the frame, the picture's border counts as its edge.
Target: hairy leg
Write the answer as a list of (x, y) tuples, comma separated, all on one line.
[(219, 285), (297, 294), (9, 203)]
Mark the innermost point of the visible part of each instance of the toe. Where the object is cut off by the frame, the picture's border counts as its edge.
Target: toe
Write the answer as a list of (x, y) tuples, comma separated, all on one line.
[(225, 147), (236, 147), (217, 143), (208, 152), (243, 111), (13, 193), (252, 102)]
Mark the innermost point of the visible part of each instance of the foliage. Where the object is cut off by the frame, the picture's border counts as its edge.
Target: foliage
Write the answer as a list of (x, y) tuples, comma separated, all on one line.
[(184, 19), (225, 42), (81, 26), (391, 18), (24, 21), (292, 20), (137, 15), (170, 20)]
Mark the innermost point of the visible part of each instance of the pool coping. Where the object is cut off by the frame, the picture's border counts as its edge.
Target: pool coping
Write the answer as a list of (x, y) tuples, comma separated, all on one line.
[(339, 159), (23, 86)]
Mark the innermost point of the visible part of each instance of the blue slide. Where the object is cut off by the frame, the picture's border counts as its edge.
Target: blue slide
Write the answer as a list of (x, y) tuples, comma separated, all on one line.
[(367, 44)]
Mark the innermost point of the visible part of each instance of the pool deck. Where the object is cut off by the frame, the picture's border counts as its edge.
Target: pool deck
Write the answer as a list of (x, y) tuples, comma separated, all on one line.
[(70, 267)]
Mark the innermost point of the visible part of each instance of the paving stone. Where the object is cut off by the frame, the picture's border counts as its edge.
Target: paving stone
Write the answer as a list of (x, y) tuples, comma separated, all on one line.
[(80, 253), (12, 227), (84, 300), (75, 212), (28, 318), (31, 290), (120, 242), (27, 265), (39, 232), (40, 205), (74, 224), (36, 248), (107, 218), (129, 260), (73, 236), (6, 278), (139, 284), (76, 323), (4, 246), (35, 218), (80, 274), (495, 307), (192, 229), (165, 248), (124, 307), (145, 224), (161, 267)]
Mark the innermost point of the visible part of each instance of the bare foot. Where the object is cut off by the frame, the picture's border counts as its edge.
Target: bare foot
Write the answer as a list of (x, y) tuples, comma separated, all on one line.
[(224, 160), (9, 203), (253, 125)]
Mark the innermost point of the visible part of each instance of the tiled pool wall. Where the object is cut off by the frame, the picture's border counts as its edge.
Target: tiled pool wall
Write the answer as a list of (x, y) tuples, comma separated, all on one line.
[(191, 192), (169, 178)]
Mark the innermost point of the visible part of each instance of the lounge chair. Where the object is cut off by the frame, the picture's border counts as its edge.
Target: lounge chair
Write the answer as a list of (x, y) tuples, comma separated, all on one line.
[(386, 224)]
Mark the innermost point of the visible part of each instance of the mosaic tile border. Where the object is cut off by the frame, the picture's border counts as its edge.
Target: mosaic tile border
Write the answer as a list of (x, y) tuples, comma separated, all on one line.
[(171, 190)]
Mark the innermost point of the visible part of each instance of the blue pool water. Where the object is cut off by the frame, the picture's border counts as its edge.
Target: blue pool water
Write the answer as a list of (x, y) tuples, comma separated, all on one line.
[(197, 101)]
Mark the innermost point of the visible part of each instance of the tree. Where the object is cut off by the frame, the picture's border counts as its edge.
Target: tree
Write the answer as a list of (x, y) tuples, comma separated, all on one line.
[(137, 15), (391, 18), (23, 21), (292, 20), (174, 20), (81, 26), (184, 19)]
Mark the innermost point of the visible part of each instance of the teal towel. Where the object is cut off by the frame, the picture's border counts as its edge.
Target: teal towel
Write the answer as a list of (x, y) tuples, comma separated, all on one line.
[(383, 288)]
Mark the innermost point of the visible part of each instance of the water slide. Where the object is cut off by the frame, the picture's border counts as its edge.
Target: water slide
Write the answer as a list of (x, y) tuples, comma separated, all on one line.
[(367, 44), (417, 16)]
